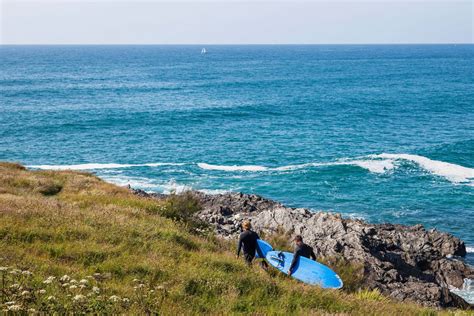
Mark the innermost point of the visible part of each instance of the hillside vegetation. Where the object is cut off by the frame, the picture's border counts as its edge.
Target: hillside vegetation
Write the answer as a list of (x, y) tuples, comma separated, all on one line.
[(70, 242)]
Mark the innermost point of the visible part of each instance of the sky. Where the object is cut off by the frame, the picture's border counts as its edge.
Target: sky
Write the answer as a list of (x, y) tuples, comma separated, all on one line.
[(235, 22)]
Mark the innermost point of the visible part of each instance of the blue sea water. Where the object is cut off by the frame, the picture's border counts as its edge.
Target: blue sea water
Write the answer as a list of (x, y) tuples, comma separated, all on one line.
[(384, 133)]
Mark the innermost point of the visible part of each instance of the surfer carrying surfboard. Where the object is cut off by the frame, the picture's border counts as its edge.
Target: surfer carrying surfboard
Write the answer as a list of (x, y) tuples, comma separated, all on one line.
[(301, 249), (248, 242)]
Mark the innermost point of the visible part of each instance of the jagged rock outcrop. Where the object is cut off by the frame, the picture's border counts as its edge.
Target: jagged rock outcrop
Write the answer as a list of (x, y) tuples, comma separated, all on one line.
[(403, 262)]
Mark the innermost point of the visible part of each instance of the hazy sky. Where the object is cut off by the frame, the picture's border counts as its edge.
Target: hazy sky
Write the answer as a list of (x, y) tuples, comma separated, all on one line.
[(234, 22)]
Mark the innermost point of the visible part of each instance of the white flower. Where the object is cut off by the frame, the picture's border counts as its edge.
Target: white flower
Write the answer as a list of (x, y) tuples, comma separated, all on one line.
[(42, 291), (141, 285), (25, 293), (73, 281), (83, 281), (136, 280), (114, 298), (65, 278), (15, 271), (51, 298), (72, 287), (82, 286), (160, 287), (15, 286), (49, 280), (14, 308), (126, 300), (10, 303), (2, 269), (79, 298), (31, 310), (96, 290), (26, 272), (65, 285)]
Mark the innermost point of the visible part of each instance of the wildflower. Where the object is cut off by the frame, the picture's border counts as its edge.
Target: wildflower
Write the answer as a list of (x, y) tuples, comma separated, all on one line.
[(73, 287), (65, 285), (126, 300), (65, 278), (96, 290), (114, 298), (42, 291), (160, 287), (141, 285), (26, 272), (152, 291), (83, 281), (14, 308), (25, 293), (73, 281), (49, 280), (51, 298), (136, 280), (89, 277), (10, 303), (79, 298), (31, 310), (2, 269), (82, 286), (15, 286), (15, 271)]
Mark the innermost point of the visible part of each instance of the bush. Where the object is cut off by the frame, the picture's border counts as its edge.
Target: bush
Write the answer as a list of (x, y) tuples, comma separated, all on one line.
[(49, 188), (182, 208)]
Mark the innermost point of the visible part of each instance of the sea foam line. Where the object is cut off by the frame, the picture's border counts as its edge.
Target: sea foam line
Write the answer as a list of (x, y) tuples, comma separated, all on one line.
[(96, 166), (376, 166)]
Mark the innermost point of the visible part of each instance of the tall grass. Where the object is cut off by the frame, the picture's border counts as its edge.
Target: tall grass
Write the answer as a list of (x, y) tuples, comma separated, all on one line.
[(71, 243)]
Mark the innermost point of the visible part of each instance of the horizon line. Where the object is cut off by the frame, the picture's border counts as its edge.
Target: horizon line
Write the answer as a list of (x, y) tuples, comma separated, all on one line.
[(226, 44)]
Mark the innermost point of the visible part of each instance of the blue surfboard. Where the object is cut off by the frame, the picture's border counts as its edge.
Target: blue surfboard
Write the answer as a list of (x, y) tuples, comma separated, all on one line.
[(307, 270), (264, 248)]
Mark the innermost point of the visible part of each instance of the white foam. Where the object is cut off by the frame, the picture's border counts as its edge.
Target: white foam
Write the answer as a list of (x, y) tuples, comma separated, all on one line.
[(375, 166), (95, 166), (452, 172), (173, 187), (470, 249), (466, 291), (134, 182), (232, 168)]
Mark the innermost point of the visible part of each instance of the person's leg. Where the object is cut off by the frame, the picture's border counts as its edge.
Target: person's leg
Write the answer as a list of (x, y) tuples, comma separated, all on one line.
[(249, 258)]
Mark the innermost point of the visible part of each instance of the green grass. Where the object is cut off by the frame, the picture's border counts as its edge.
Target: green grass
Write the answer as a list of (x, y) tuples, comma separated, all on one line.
[(70, 242)]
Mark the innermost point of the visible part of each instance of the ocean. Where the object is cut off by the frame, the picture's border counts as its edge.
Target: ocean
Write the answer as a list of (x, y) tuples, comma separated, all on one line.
[(379, 132)]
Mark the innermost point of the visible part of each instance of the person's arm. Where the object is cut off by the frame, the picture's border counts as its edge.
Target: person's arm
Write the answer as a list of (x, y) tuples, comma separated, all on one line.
[(259, 251), (296, 256), (239, 247), (313, 255)]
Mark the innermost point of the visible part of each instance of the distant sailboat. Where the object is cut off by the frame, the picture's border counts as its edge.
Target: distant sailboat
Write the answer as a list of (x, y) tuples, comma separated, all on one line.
[(203, 51)]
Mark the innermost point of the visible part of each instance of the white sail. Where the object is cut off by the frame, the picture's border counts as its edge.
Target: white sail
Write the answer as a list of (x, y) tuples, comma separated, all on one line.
[(203, 51)]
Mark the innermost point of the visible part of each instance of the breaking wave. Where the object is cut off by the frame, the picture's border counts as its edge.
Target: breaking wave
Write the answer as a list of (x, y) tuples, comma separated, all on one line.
[(452, 172), (376, 166)]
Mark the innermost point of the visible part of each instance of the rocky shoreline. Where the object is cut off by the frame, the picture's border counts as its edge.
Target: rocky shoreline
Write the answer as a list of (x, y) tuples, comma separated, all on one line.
[(403, 262)]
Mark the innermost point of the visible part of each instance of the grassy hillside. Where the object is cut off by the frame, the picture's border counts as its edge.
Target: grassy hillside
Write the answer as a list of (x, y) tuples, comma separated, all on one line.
[(71, 242)]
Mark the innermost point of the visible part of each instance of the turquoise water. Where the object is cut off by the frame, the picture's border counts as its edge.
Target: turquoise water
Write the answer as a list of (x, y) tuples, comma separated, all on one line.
[(384, 133)]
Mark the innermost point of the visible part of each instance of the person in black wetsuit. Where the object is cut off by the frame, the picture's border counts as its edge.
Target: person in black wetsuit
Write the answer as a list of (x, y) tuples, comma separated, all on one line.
[(301, 249), (248, 242)]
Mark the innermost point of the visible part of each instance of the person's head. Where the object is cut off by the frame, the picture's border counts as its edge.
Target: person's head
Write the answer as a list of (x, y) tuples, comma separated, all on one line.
[(298, 240), (246, 225)]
